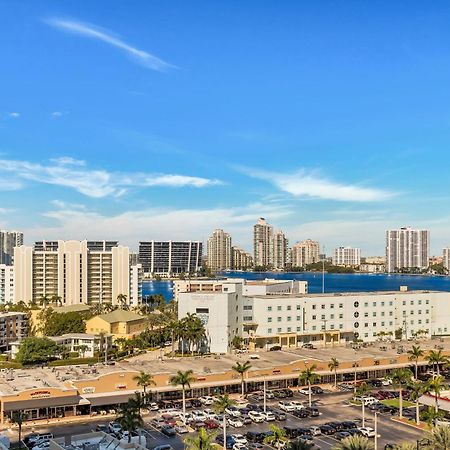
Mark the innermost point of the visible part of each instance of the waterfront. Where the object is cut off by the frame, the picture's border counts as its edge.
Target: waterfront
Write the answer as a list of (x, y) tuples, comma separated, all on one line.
[(358, 282)]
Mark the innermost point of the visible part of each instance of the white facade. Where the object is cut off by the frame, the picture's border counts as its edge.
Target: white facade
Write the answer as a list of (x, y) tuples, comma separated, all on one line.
[(6, 284), (407, 249), (9, 240), (136, 276), (346, 256), (219, 254), (280, 250), (304, 253), (446, 258), (262, 243)]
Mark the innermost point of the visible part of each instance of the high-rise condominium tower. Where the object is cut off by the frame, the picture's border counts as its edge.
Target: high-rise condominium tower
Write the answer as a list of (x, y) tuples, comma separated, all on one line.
[(219, 254), (347, 256), (406, 249), (76, 272), (241, 259), (304, 253), (280, 250), (263, 243), (9, 240), (446, 258)]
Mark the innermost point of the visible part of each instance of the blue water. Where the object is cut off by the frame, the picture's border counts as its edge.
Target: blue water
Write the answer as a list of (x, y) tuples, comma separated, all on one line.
[(334, 282)]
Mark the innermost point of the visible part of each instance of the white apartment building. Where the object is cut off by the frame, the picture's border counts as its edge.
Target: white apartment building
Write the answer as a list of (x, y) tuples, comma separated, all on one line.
[(242, 260), (446, 258), (407, 248), (304, 253), (346, 256), (6, 284), (9, 240), (263, 243), (290, 319), (280, 250), (75, 271), (219, 253)]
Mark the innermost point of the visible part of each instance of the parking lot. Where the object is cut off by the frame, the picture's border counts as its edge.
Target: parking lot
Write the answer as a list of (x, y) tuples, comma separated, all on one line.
[(332, 407)]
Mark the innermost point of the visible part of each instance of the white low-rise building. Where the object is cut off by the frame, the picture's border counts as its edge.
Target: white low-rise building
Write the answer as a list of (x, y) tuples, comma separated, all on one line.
[(290, 319), (6, 284)]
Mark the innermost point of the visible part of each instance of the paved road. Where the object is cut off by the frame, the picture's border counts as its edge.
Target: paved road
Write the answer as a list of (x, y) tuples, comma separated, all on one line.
[(332, 407)]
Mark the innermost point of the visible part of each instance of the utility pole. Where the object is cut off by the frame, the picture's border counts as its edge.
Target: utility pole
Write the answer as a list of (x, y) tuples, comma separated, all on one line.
[(264, 391), (323, 270), (375, 427)]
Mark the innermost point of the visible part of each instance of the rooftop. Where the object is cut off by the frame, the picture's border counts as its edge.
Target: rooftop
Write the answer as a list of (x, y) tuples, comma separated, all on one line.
[(93, 441), (120, 315), (71, 308)]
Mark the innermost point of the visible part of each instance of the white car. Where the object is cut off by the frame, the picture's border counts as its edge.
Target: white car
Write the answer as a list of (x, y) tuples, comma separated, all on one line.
[(286, 406), (181, 429), (269, 416), (239, 439), (209, 413), (232, 411), (270, 395), (153, 407), (235, 422), (198, 415), (115, 427), (297, 405), (174, 412), (367, 431), (238, 446), (315, 431), (256, 416), (386, 381), (303, 391), (207, 400)]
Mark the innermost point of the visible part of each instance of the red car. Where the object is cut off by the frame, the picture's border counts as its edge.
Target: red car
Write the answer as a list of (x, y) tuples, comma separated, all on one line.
[(211, 424), (170, 421)]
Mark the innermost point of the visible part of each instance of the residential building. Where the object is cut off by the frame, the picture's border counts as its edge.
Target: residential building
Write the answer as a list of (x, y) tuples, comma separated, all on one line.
[(73, 272), (290, 319), (372, 267), (9, 240), (280, 250), (6, 284), (136, 277), (446, 258), (167, 258), (346, 256), (219, 254), (263, 243), (119, 323), (304, 253), (13, 327), (407, 248), (242, 260)]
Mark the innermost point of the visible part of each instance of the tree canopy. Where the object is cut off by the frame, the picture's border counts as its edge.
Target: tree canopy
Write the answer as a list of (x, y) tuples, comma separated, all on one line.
[(57, 324), (34, 350)]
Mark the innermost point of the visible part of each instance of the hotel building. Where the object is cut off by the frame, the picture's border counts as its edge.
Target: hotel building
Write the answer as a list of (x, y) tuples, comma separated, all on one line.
[(346, 256), (77, 272), (219, 253), (167, 258), (407, 249)]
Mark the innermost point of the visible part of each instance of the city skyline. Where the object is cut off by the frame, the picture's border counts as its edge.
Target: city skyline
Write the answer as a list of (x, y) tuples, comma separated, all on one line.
[(132, 132)]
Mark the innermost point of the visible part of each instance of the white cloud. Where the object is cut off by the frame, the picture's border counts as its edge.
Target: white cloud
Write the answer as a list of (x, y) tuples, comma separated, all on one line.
[(58, 114), (69, 172), (303, 183), (100, 34), (14, 115), (10, 185)]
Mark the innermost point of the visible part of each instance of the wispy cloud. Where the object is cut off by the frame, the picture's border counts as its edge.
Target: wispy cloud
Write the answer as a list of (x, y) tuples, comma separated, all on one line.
[(58, 114), (72, 173), (94, 32), (303, 183), (14, 115)]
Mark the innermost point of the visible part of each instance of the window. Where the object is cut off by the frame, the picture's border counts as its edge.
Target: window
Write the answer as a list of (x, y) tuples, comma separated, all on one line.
[(427, 311), (374, 314), (356, 304), (411, 302), (248, 318), (412, 322), (269, 319), (299, 318), (269, 308), (356, 314), (382, 313), (419, 311), (391, 303), (314, 328), (248, 307), (419, 322), (331, 316), (322, 306), (299, 329), (278, 319), (382, 324), (419, 302), (382, 303), (332, 306), (404, 302), (366, 314), (278, 330), (390, 323), (390, 313), (288, 318), (341, 305), (314, 317), (366, 325), (341, 326), (427, 302), (289, 329), (313, 306), (356, 324), (366, 304), (269, 330), (341, 316), (278, 308), (322, 317), (288, 307), (298, 307), (412, 312), (366, 334)]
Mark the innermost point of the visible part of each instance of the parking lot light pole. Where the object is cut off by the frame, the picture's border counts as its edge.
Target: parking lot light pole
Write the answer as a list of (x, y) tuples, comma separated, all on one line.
[(375, 427), (265, 398), (363, 412)]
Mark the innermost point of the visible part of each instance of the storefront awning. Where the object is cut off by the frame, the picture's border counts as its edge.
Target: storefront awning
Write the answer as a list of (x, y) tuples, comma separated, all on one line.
[(69, 400), (110, 399)]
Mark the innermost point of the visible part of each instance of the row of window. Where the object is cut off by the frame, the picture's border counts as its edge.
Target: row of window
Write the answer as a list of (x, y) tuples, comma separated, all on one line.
[(288, 308)]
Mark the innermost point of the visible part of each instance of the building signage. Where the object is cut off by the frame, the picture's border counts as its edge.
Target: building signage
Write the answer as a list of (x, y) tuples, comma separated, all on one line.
[(88, 390), (40, 394), (121, 386)]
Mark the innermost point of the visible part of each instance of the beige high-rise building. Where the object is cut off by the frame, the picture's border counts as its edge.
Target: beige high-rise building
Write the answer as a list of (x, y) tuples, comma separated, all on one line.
[(446, 258), (9, 240), (263, 243), (242, 260), (75, 271), (280, 250), (304, 253), (219, 256)]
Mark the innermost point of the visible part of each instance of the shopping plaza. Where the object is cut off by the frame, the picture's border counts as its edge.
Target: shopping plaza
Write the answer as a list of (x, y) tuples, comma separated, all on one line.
[(55, 392)]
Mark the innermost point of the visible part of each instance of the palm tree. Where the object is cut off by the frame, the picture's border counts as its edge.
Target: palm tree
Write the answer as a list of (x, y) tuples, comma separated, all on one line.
[(417, 390), (435, 386), (298, 444), (242, 369), (183, 379), (414, 354), (130, 419), (44, 301), (440, 438), (121, 343), (430, 415), (144, 380), (406, 446), (203, 441), (333, 366), (309, 377), (399, 378), (276, 438), (436, 358), (354, 443), (17, 418), (362, 390), (222, 403), (122, 300), (83, 348)]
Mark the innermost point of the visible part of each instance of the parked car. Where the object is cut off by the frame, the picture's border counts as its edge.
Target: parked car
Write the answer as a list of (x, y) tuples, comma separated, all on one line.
[(280, 394), (168, 430), (256, 416), (233, 411), (157, 422), (239, 439), (239, 446), (269, 416), (279, 415), (153, 406), (304, 391), (348, 424), (326, 429), (206, 400), (300, 413), (312, 411), (367, 432), (114, 427), (291, 432), (103, 428), (211, 424), (316, 390), (341, 435), (315, 430), (235, 422), (308, 345), (181, 429)]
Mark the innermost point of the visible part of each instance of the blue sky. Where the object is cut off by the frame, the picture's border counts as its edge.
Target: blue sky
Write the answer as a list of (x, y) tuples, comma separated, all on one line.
[(167, 119)]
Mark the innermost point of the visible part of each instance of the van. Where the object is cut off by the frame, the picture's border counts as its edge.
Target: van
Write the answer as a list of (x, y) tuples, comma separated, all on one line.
[(367, 400), (37, 439)]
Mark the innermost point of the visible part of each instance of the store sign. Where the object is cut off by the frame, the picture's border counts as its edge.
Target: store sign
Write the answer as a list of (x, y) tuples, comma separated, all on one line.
[(88, 390), (121, 386), (40, 394)]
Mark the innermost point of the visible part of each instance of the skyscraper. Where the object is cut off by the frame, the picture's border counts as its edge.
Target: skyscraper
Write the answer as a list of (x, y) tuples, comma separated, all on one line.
[(241, 259), (304, 253), (407, 248), (219, 254), (9, 240), (347, 256), (263, 243), (280, 250), (446, 258)]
